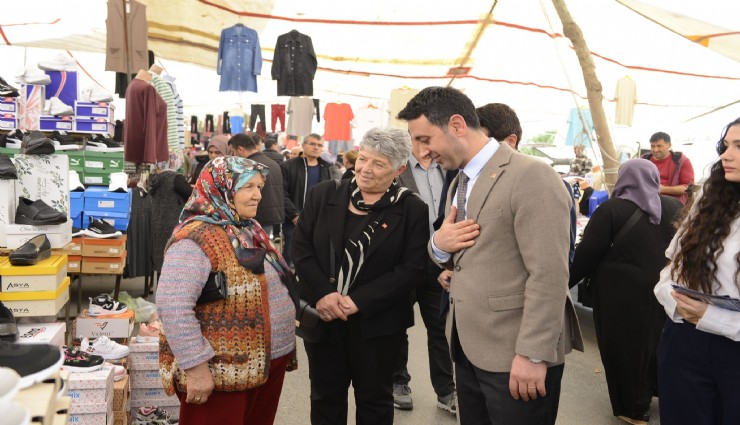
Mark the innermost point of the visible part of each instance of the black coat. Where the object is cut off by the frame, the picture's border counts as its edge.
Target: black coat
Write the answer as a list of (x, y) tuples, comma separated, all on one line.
[(394, 263), (294, 64), (271, 209), (294, 183), (274, 155)]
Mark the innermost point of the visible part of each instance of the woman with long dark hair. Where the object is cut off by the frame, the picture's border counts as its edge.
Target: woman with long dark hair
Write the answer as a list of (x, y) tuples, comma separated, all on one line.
[(699, 350)]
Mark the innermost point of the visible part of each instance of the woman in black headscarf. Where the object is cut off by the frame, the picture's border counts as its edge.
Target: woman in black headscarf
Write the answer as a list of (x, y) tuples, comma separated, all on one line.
[(623, 272)]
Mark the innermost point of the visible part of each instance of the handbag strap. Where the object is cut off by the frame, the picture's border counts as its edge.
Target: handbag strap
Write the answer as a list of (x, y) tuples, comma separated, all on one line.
[(628, 225)]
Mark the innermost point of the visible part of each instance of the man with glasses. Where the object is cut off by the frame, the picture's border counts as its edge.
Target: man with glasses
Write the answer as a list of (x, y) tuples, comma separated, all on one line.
[(299, 175)]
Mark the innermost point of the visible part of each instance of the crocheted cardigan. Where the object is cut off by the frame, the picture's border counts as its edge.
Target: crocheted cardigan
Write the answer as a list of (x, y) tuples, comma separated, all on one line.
[(238, 328)]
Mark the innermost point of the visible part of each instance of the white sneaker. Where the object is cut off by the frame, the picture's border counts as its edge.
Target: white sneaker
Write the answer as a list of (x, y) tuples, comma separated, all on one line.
[(14, 413), (96, 93), (75, 185), (10, 383), (57, 107), (60, 63), (119, 372), (34, 76), (118, 182), (104, 347)]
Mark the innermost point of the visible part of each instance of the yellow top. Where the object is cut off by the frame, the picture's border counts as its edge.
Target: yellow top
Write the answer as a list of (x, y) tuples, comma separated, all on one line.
[(51, 265)]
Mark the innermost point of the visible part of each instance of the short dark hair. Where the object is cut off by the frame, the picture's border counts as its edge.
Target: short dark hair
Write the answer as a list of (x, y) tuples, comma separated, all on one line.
[(500, 120), (270, 142), (247, 141), (438, 104), (660, 136)]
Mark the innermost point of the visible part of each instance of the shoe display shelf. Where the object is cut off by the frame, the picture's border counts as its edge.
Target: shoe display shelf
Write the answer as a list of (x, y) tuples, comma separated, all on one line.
[(146, 385), (92, 396), (46, 402), (38, 290)]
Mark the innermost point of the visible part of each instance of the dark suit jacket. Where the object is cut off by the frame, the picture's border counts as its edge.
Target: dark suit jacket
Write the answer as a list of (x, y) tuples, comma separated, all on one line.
[(394, 263)]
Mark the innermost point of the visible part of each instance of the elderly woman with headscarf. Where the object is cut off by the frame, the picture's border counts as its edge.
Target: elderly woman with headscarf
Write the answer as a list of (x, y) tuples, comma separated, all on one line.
[(225, 359), (376, 230), (623, 269)]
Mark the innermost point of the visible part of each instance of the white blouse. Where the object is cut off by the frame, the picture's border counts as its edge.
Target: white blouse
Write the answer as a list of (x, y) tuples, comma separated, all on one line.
[(716, 320)]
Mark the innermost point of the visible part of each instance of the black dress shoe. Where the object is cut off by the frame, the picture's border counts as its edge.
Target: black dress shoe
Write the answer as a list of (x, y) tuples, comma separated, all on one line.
[(7, 169), (37, 213), (36, 249), (8, 328), (36, 143)]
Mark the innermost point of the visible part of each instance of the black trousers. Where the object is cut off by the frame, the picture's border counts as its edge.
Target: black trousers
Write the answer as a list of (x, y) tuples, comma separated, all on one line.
[(428, 295), (698, 377), (366, 364), (483, 397), (226, 123), (209, 124), (318, 110), (257, 111)]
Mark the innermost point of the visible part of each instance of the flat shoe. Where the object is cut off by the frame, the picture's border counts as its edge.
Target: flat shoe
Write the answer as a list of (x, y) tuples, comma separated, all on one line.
[(36, 143), (7, 169), (36, 249), (37, 213)]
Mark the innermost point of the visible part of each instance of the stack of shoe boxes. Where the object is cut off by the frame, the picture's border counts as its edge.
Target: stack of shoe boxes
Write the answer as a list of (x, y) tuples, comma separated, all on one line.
[(112, 207), (92, 397), (99, 166), (94, 117), (46, 178), (8, 113), (146, 385), (74, 255), (40, 290), (103, 256)]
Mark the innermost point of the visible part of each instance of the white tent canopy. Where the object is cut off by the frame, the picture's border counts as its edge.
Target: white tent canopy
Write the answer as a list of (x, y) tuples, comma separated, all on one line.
[(516, 54)]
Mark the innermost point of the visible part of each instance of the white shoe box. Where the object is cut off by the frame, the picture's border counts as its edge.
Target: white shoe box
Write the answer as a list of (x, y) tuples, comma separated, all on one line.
[(37, 303), (95, 327), (145, 378), (144, 360), (8, 203), (59, 235), (157, 393), (42, 333), (77, 417), (168, 403), (44, 177)]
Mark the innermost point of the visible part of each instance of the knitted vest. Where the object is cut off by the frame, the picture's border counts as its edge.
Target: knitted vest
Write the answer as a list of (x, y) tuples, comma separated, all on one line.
[(237, 328)]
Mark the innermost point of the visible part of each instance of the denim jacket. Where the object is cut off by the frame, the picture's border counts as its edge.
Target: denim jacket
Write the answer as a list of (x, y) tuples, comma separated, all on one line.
[(239, 59)]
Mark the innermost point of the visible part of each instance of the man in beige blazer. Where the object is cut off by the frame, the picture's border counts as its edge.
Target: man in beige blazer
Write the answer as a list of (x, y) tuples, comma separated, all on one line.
[(506, 238)]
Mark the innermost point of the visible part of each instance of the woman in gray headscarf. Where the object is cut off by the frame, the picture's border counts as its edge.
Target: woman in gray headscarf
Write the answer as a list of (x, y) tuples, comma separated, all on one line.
[(623, 269)]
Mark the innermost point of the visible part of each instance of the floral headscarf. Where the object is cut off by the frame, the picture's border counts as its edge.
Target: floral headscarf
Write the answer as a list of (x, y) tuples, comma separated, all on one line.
[(212, 201)]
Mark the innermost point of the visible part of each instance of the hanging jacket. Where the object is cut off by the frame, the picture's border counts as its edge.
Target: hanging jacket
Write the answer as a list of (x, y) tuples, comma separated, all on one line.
[(294, 64), (239, 59)]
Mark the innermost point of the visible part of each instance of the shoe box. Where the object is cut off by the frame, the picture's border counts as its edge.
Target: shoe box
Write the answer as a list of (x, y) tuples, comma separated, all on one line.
[(42, 333), (118, 220), (44, 177), (101, 199), (8, 105), (61, 123), (597, 198), (146, 384), (8, 204), (102, 265), (74, 248), (30, 106), (46, 275), (76, 160), (113, 326), (76, 206), (110, 248), (144, 356), (37, 303), (92, 396), (99, 166), (121, 391), (59, 235), (8, 121), (95, 110), (93, 125), (74, 263), (64, 85)]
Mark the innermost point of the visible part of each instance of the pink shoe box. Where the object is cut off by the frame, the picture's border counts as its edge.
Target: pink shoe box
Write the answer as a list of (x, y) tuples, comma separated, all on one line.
[(143, 347), (148, 378), (93, 403), (149, 393), (144, 360), (101, 378), (159, 402), (98, 418)]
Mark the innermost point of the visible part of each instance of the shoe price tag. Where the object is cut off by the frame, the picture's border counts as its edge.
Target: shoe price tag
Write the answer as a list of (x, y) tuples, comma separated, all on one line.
[(7, 107), (106, 204), (114, 266), (99, 127), (63, 125), (113, 250), (100, 111), (93, 164), (94, 179)]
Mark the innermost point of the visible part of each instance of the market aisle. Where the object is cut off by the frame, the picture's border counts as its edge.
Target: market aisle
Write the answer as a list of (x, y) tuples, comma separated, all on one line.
[(584, 399)]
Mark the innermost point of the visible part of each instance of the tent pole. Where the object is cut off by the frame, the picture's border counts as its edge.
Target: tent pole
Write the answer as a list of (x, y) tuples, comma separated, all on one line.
[(473, 44)]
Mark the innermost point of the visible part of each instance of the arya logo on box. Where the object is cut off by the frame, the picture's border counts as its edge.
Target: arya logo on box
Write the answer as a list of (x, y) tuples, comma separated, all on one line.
[(17, 286), (33, 332), (22, 310)]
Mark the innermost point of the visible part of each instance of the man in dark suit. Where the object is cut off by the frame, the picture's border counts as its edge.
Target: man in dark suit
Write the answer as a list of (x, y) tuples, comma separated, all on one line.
[(511, 320), (426, 178)]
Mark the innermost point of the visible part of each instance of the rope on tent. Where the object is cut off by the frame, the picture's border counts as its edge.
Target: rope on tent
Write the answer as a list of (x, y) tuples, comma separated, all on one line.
[(584, 124), (84, 70)]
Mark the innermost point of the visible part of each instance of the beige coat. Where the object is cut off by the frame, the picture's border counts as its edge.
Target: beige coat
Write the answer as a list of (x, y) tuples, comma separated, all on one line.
[(138, 29), (509, 292)]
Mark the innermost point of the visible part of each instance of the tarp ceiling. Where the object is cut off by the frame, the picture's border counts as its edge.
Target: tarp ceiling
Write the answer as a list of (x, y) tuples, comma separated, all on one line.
[(514, 49)]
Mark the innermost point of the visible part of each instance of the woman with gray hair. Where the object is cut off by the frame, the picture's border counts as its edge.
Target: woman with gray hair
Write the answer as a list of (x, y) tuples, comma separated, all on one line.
[(359, 250)]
